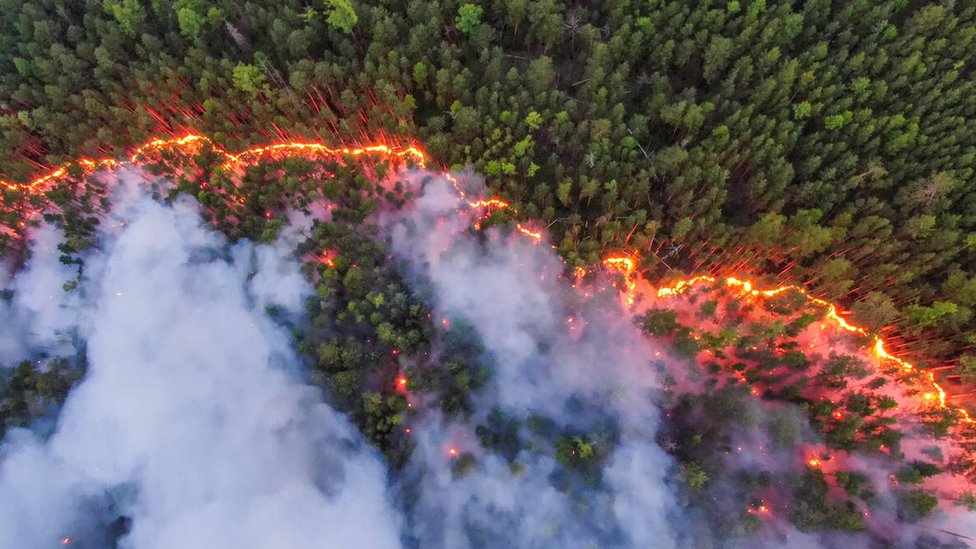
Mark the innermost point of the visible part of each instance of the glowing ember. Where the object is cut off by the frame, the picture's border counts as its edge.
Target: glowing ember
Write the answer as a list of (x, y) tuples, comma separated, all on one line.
[(452, 452), (626, 266), (231, 160), (815, 463), (760, 509), (489, 203), (621, 263), (534, 235), (937, 394), (328, 258)]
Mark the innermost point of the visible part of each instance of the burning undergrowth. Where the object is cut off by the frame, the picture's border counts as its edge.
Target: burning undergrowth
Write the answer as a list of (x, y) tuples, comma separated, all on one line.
[(807, 418), (558, 446), (191, 426), (515, 402)]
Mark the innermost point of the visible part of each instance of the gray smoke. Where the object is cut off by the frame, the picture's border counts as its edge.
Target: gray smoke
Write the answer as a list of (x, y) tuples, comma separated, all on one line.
[(192, 419)]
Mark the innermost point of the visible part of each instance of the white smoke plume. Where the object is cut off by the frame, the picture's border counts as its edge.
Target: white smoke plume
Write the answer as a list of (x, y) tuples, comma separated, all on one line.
[(38, 295), (192, 419), (545, 353), (194, 422)]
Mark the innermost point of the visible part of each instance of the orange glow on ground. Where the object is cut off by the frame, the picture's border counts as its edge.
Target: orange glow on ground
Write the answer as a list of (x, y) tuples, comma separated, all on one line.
[(936, 393), (246, 157), (534, 235), (626, 266), (327, 257), (620, 263)]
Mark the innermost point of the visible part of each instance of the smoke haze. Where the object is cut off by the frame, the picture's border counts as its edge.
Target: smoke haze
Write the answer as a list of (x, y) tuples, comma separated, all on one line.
[(585, 374), (195, 423), (191, 420)]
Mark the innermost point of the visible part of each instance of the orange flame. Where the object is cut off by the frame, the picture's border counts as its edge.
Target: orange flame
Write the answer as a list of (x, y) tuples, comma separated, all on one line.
[(935, 394), (289, 148), (761, 509), (496, 203), (534, 235), (252, 155), (488, 203), (327, 257), (623, 264), (626, 266)]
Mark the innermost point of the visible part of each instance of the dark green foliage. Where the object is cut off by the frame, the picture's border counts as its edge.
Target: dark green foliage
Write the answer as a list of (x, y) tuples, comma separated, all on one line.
[(916, 472), (800, 323), (845, 517), (464, 464), (812, 511), (916, 503), (790, 138), (583, 454), (685, 345), (364, 317), (809, 511), (854, 483), (659, 322), (34, 389), (461, 368), (500, 434), (794, 359), (707, 309), (938, 420), (843, 433), (838, 369)]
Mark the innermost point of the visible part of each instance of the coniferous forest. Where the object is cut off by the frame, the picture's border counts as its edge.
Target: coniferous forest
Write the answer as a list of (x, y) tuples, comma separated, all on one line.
[(829, 143), (826, 149)]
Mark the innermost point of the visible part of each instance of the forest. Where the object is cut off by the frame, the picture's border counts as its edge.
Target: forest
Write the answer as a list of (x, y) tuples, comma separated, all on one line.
[(830, 144)]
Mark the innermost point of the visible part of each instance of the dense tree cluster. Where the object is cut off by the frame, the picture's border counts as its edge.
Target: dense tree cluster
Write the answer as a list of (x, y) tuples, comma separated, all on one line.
[(829, 143), (834, 143), (768, 379), (34, 389)]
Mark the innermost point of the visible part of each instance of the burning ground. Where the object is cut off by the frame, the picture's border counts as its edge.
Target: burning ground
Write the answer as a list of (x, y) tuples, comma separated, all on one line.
[(405, 361)]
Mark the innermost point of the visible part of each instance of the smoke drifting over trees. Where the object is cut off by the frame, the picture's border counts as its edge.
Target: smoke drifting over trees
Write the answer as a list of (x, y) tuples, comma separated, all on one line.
[(383, 374), (586, 380), (192, 420)]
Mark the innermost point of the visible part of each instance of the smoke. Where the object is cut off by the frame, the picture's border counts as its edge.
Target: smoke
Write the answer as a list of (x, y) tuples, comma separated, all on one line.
[(191, 420), (38, 295), (580, 364), (194, 422)]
